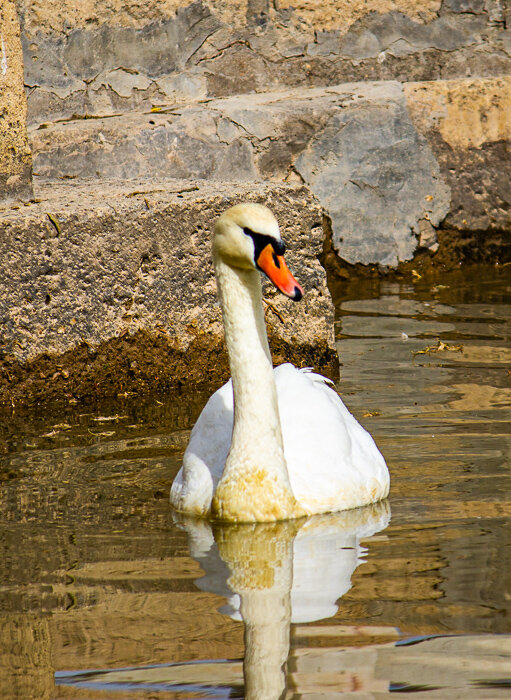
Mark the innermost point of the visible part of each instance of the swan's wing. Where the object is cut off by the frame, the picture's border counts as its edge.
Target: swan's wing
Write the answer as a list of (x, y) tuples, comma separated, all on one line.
[(204, 459), (333, 462)]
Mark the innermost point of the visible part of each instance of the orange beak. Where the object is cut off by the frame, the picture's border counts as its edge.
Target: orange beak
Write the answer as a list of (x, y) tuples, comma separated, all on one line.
[(274, 266)]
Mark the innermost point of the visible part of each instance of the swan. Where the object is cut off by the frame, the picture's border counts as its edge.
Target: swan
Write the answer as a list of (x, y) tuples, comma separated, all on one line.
[(271, 444)]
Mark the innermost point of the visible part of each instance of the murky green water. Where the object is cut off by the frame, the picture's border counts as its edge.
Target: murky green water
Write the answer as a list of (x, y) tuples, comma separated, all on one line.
[(103, 594)]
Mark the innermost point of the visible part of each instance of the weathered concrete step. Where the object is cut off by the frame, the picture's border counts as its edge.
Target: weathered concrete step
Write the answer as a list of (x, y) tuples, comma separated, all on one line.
[(108, 287), (389, 162)]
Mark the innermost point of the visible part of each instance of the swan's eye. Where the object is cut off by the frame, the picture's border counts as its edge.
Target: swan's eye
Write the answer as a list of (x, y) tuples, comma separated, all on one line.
[(261, 240), (279, 247)]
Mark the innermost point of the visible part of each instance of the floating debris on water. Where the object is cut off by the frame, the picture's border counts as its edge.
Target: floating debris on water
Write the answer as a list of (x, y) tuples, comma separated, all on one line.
[(106, 419), (439, 347)]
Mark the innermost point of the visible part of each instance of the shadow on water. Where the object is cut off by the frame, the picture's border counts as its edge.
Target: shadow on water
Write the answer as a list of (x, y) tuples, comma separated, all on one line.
[(104, 594)]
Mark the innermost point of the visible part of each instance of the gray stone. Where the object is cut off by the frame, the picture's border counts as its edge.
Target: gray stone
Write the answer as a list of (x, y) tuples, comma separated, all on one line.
[(377, 178), (325, 44), (63, 63), (466, 125), (258, 12), (269, 116), (46, 105), (480, 182), (178, 146), (120, 276), (353, 144), (238, 70), (45, 67), (228, 131), (195, 54), (427, 235), (498, 12), (182, 86), (156, 49), (123, 82), (236, 163), (473, 6), (399, 35)]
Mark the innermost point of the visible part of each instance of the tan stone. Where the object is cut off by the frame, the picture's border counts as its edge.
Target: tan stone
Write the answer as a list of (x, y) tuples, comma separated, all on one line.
[(340, 14), (15, 157), (98, 265), (467, 113), (47, 15), (467, 123)]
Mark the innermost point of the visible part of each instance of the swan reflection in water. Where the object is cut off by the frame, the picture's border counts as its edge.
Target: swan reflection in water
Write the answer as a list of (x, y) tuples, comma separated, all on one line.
[(275, 574)]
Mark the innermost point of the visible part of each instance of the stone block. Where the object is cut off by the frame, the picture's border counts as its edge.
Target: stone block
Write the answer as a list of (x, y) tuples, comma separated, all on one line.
[(110, 289), (376, 177), (243, 46), (467, 124), (15, 156)]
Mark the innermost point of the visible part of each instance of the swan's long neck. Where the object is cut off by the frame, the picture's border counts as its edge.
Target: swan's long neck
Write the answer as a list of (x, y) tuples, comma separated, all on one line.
[(255, 395), (255, 483)]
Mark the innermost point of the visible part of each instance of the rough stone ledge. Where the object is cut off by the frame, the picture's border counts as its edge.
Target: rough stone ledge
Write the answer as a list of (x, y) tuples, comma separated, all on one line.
[(391, 163), (353, 144), (467, 124), (110, 290)]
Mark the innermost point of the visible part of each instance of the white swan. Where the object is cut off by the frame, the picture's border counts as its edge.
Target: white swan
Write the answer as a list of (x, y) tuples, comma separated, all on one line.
[(293, 448)]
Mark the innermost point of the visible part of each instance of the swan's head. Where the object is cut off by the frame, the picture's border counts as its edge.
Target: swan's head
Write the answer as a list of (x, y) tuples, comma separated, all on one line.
[(247, 236)]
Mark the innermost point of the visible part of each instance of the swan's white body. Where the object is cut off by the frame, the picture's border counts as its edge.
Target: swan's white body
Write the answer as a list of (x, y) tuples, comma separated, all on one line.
[(270, 444), (333, 463)]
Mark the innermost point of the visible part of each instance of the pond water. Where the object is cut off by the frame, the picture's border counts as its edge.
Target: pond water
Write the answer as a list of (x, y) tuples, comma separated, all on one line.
[(105, 594)]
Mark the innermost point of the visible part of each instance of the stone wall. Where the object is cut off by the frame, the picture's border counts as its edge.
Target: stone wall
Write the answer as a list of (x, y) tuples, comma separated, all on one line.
[(391, 163), (393, 112), (467, 124), (105, 58), (15, 157)]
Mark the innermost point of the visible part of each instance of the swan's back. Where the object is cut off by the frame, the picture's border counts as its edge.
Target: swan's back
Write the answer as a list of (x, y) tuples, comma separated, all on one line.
[(333, 463), (332, 460)]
